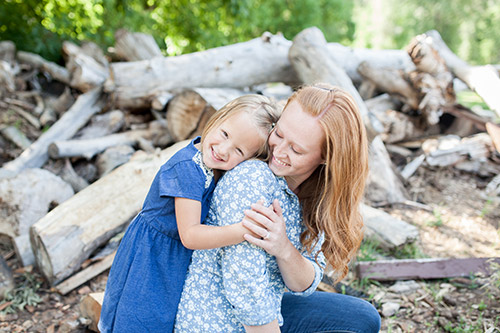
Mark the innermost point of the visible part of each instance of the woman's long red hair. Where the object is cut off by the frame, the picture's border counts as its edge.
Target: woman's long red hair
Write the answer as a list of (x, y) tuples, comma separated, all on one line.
[(331, 195)]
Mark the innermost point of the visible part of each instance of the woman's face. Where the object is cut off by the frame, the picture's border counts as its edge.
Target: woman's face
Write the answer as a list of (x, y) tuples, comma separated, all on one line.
[(295, 145)]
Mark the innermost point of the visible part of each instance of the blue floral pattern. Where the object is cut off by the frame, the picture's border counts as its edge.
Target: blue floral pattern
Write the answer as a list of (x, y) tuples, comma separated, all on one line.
[(241, 284)]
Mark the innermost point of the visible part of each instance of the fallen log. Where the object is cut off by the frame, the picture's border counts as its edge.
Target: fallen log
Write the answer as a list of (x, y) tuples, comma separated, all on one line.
[(88, 148), (86, 72), (398, 126), (134, 46), (260, 60), (389, 231), (350, 59), (64, 238), (14, 135), (57, 72), (484, 80), (433, 268), (312, 63), (187, 114), (78, 115), (7, 77), (25, 199), (391, 81)]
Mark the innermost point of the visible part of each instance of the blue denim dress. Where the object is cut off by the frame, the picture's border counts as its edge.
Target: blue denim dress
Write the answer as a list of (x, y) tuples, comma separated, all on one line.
[(146, 279)]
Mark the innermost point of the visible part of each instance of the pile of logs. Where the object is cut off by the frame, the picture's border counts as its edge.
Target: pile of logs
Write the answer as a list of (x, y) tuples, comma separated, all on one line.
[(93, 132)]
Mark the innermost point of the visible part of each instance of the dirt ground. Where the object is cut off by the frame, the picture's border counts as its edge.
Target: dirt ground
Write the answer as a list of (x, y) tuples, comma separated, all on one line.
[(461, 223)]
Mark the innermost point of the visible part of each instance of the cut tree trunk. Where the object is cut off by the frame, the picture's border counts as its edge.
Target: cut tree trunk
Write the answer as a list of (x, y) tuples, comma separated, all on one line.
[(57, 72), (398, 126), (78, 115), (313, 63), (484, 80), (86, 72), (350, 59), (134, 46), (260, 60), (391, 81), (67, 235)]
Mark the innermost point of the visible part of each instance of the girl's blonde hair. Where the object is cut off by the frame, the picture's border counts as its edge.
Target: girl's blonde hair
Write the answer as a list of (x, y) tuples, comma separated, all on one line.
[(331, 195), (262, 110)]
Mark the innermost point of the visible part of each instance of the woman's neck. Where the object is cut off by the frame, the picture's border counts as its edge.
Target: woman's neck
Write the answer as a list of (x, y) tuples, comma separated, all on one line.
[(293, 184)]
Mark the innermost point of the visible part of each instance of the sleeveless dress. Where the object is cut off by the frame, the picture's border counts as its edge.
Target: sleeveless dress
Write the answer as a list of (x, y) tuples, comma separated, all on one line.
[(147, 276)]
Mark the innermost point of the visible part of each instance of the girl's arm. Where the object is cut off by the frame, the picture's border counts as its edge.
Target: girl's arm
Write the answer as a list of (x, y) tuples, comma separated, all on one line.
[(197, 236), (297, 271), (271, 327)]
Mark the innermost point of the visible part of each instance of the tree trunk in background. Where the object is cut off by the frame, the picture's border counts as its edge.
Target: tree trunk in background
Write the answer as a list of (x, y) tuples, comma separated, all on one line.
[(313, 63), (259, 60), (484, 80)]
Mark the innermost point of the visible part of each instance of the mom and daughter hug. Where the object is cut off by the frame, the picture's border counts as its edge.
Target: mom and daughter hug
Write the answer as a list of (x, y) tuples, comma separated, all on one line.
[(238, 226)]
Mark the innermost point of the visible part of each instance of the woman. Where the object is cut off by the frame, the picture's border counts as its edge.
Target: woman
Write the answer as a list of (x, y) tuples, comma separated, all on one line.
[(319, 151)]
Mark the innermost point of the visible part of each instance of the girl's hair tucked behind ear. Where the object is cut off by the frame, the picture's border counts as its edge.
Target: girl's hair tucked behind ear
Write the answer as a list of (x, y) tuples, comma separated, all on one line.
[(263, 110), (332, 194)]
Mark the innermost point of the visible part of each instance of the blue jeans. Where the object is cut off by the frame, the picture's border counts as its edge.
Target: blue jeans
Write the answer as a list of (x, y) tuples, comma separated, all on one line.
[(328, 312)]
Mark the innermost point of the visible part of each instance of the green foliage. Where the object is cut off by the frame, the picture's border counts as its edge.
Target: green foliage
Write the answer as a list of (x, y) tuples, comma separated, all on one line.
[(23, 294), (180, 26), (369, 250), (470, 28), (438, 219)]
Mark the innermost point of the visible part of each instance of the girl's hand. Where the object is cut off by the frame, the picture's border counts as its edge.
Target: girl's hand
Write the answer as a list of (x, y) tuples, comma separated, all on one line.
[(268, 224)]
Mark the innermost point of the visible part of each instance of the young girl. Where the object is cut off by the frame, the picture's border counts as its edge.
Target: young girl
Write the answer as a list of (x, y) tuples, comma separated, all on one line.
[(146, 279)]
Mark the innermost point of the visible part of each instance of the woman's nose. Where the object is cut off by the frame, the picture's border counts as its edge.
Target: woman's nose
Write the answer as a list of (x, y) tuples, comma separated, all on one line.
[(278, 149)]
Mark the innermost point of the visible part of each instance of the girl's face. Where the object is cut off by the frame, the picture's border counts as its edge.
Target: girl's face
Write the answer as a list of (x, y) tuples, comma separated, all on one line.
[(236, 139), (295, 145)]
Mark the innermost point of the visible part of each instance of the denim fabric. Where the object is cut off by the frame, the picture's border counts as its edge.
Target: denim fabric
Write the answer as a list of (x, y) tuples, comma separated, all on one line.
[(328, 312)]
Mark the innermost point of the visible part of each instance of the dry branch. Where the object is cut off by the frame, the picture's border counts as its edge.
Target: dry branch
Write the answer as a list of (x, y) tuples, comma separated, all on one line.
[(57, 72), (78, 115), (89, 147)]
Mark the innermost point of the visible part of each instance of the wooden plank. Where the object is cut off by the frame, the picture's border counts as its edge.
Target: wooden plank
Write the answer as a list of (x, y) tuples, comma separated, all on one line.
[(86, 274), (433, 268), (90, 307)]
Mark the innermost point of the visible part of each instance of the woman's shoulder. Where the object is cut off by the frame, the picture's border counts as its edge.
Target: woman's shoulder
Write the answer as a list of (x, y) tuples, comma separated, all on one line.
[(252, 167)]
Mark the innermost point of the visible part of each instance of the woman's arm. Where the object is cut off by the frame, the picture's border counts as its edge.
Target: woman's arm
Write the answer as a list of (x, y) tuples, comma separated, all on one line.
[(197, 236), (298, 272)]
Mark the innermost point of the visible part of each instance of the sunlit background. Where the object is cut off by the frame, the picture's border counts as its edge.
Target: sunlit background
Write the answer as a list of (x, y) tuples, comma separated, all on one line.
[(471, 28)]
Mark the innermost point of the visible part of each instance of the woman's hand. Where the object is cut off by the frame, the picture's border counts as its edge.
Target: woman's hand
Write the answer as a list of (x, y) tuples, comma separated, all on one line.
[(268, 223)]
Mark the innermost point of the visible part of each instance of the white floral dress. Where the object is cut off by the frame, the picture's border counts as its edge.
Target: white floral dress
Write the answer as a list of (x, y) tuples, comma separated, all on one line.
[(241, 284)]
